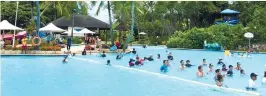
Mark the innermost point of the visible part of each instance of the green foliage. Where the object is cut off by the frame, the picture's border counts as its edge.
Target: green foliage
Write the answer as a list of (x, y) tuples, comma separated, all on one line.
[(224, 34), (76, 40)]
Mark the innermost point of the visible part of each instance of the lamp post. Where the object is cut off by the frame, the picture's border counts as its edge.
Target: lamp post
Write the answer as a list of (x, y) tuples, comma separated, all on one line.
[(249, 35), (73, 20)]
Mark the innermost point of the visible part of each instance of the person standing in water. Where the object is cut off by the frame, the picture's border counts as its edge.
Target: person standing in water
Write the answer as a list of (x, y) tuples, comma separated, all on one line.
[(204, 62), (230, 71), (134, 51), (251, 82), (103, 54), (182, 65), (158, 56), (224, 67), (220, 62), (164, 67), (238, 66), (108, 62), (200, 72), (210, 68), (170, 57), (264, 78), (188, 64), (219, 81)]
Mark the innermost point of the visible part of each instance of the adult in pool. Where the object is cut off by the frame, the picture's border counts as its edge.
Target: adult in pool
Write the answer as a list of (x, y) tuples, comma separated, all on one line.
[(217, 72), (242, 72), (150, 58), (164, 67), (130, 63), (188, 64), (251, 82), (84, 52)]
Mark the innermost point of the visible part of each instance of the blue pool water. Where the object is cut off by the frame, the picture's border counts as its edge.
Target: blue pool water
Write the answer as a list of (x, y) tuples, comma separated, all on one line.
[(88, 76)]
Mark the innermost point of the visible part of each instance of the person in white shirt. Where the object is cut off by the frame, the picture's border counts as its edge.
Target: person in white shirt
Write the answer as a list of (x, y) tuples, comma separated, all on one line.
[(264, 78), (251, 82)]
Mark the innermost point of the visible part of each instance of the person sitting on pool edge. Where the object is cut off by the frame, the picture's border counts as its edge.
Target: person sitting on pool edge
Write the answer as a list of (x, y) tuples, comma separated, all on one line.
[(182, 66), (130, 63), (230, 71), (220, 62), (164, 67), (170, 57), (204, 62), (188, 64), (251, 82), (224, 67), (238, 66), (84, 52), (108, 62), (103, 54), (200, 71), (134, 51), (150, 58)]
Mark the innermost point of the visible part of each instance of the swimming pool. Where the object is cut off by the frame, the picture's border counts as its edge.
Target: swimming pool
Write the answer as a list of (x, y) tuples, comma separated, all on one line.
[(88, 76)]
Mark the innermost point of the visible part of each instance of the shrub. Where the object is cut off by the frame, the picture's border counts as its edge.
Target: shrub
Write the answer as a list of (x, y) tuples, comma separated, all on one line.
[(76, 40)]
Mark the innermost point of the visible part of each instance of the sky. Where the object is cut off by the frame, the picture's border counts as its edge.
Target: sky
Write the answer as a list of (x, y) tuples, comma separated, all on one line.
[(103, 15)]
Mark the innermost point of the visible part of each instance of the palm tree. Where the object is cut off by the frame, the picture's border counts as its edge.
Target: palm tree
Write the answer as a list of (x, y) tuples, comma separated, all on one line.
[(132, 26)]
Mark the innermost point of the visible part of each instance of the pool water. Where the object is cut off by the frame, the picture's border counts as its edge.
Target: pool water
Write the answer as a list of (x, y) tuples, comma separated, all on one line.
[(89, 76)]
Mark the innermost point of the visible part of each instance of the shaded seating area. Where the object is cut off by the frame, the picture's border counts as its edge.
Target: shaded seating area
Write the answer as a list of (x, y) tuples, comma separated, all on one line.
[(228, 16)]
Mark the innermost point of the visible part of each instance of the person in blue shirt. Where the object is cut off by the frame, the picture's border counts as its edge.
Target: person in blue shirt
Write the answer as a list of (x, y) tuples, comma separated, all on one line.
[(68, 43), (164, 67)]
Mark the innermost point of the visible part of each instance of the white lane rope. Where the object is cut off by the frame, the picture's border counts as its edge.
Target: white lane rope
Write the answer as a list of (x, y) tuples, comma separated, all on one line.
[(177, 78)]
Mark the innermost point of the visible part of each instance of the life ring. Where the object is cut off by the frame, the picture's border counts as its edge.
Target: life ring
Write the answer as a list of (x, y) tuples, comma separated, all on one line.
[(39, 39)]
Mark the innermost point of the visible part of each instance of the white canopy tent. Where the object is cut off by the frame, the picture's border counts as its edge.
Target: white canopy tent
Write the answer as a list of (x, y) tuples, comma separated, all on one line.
[(51, 28), (75, 33), (5, 25), (85, 31)]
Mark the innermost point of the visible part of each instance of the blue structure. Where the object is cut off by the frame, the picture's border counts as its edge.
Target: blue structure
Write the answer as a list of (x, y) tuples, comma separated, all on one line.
[(229, 16)]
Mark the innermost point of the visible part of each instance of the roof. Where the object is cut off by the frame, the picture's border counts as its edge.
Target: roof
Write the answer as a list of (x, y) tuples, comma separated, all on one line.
[(229, 11), (81, 21)]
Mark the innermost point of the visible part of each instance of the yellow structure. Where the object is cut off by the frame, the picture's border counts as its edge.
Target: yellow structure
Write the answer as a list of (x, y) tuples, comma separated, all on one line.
[(227, 53)]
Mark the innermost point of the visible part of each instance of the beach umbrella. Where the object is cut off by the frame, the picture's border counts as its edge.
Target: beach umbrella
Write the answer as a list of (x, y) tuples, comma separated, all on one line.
[(249, 35), (5, 25), (51, 28), (21, 34)]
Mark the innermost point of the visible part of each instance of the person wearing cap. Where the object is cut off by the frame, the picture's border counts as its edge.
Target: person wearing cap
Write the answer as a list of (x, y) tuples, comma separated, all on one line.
[(264, 78), (188, 64), (204, 62), (164, 67), (230, 71), (220, 62), (238, 67), (200, 71), (182, 66), (251, 82)]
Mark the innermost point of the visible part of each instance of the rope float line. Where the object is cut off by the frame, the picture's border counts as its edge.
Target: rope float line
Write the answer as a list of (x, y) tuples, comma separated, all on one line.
[(177, 78)]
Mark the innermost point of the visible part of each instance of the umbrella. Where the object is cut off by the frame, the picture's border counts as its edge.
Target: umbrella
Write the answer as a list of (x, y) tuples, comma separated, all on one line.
[(7, 36), (248, 35), (5, 25), (21, 34), (85, 30), (229, 11), (51, 28), (142, 33)]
